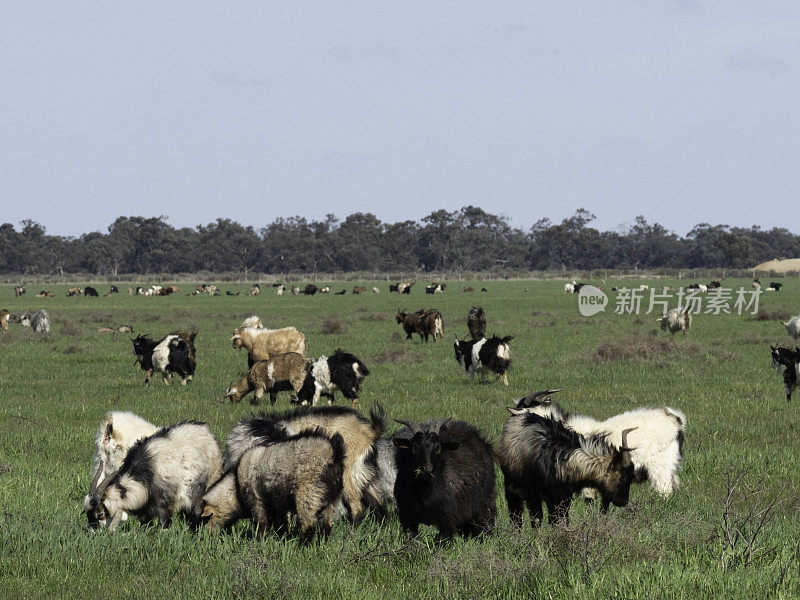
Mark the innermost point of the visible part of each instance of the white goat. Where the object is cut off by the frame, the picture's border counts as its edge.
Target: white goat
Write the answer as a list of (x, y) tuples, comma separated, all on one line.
[(676, 319), (793, 327)]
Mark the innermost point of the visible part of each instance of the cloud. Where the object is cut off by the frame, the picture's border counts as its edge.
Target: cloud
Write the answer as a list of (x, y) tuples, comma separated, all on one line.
[(755, 62)]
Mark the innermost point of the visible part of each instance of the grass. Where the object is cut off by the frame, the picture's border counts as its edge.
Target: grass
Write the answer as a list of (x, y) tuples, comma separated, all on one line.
[(56, 387)]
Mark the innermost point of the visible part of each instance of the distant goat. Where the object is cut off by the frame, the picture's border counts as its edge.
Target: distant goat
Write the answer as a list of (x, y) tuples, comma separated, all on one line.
[(281, 373), (325, 289), (476, 322), (261, 344), (256, 290), (74, 291), (295, 290), (359, 289), (5, 317), (165, 473), (174, 353), (775, 285), (787, 363), (90, 291), (376, 290), (676, 319), (479, 356), (19, 290), (340, 371), (281, 289), (310, 289), (39, 321), (445, 478)]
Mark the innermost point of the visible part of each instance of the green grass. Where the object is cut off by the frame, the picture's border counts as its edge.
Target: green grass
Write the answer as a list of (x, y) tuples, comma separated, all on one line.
[(56, 387)]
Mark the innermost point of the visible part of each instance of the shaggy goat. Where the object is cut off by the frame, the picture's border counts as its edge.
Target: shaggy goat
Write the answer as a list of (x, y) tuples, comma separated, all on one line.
[(162, 474), (445, 478), (340, 371), (479, 356), (74, 291), (658, 438), (256, 290), (301, 475), (253, 321), (676, 319), (359, 289), (262, 343), (19, 290), (90, 291), (569, 288), (5, 316), (295, 290), (792, 327), (116, 435), (281, 289), (432, 325), (281, 373), (787, 363), (360, 436), (544, 461), (175, 353), (476, 322), (39, 321)]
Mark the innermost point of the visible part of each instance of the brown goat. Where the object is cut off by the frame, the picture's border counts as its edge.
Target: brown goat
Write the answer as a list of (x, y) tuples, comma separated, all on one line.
[(358, 289), (262, 343), (284, 372), (425, 323), (74, 291), (5, 316), (19, 290), (411, 322)]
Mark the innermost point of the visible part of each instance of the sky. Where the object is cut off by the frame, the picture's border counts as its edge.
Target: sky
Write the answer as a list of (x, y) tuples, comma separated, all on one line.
[(684, 111)]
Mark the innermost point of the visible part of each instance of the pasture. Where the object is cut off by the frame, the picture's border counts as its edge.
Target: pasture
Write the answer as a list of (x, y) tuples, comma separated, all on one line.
[(731, 530)]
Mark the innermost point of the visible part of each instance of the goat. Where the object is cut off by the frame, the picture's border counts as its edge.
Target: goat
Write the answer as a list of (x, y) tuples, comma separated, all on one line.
[(787, 363), (256, 290), (492, 354), (376, 290), (164, 473), (775, 285), (90, 291), (342, 293), (310, 289), (253, 321), (715, 284), (792, 327), (394, 287), (445, 478), (432, 324), (340, 371), (45, 294), (411, 322), (476, 322), (659, 437), (569, 288), (5, 317), (116, 435), (435, 288), (19, 290), (39, 321), (281, 289), (174, 353), (405, 288), (74, 291), (468, 289), (545, 461), (301, 475), (360, 436), (676, 319), (756, 284), (325, 289), (261, 343), (295, 290), (359, 289), (282, 372)]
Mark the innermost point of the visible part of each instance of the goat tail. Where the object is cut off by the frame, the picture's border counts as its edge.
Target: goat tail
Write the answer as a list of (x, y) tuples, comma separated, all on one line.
[(508, 338), (337, 444), (378, 420)]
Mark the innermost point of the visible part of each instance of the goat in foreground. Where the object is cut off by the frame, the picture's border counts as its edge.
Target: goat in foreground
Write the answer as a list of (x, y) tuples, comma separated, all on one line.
[(281, 373), (787, 363), (483, 355)]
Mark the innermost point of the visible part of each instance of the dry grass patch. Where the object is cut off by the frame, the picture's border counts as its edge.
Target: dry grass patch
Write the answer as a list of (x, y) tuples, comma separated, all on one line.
[(396, 356), (771, 315), (331, 325)]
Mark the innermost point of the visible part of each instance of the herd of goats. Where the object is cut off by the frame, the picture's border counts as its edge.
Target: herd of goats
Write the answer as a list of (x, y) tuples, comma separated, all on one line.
[(305, 467)]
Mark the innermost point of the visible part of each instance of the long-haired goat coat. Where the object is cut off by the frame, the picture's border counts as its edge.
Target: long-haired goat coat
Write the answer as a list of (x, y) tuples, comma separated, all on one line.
[(676, 319), (657, 440), (300, 475), (281, 373), (445, 477), (165, 473), (262, 343), (340, 371), (544, 461), (360, 437), (479, 356)]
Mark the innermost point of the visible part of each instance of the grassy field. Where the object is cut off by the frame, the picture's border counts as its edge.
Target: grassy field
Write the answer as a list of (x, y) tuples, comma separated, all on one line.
[(742, 443)]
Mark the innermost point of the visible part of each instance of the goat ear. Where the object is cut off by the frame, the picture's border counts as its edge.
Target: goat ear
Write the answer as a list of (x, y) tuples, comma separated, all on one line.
[(402, 442), (450, 445)]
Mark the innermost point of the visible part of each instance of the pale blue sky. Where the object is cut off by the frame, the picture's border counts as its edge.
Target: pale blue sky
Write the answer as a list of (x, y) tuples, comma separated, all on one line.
[(683, 111)]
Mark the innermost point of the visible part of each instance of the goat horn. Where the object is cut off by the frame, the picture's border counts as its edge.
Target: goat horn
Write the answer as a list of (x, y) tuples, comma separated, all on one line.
[(414, 427), (625, 433), (98, 493), (528, 400), (437, 426), (93, 487)]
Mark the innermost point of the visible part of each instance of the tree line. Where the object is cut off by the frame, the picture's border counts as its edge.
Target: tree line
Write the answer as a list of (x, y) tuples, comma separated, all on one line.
[(468, 239)]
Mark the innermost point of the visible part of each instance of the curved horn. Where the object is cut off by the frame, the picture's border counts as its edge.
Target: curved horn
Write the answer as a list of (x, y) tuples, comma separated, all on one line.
[(529, 400), (437, 426), (414, 427), (98, 493), (93, 487), (625, 433)]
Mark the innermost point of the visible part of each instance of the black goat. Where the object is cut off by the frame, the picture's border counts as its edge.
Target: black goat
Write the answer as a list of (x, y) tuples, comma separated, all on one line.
[(787, 363), (775, 285), (445, 478), (543, 460), (175, 353), (492, 354), (310, 289), (476, 322), (90, 291)]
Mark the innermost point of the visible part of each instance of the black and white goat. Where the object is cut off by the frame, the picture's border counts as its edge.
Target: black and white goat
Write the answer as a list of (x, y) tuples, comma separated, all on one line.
[(39, 321), (162, 474), (175, 353), (445, 478), (543, 460), (658, 437), (340, 371), (787, 363), (483, 355)]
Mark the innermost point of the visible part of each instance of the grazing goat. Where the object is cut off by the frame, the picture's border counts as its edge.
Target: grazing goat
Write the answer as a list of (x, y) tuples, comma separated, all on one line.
[(342, 293), (792, 327), (545, 461), (281, 373), (468, 289), (676, 319), (40, 321), (775, 285), (90, 291), (569, 288), (281, 289), (756, 284), (256, 290), (121, 329), (445, 478), (787, 363), (301, 476), (74, 291), (340, 371), (261, 344), (359, 289), (325, 289), (253, 321), (19, 290), (45, 294), (476, 322), (492, 354), (116, 435), (174, 353), (360, 437), (310, 289), (715, 284), (658, 438), (411, 322), (425, 323), (295, 290), (165, 473), (376, 290), (435, 288), (5, 316), (704, 288)]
